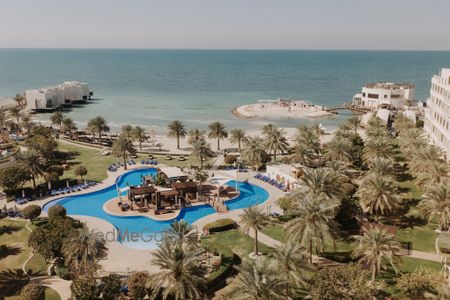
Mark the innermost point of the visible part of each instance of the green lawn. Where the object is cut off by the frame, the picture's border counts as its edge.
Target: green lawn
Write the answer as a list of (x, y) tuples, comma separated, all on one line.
[(50, 294), (14, 251), (234, 240), (97, 164), (275, 231)]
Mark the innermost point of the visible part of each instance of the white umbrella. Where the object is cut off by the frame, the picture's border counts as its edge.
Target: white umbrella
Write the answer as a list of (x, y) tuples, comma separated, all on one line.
[(23, 193), (49, 185), (67, 183)]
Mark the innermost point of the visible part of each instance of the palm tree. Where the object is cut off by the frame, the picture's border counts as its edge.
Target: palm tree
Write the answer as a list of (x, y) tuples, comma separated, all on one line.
[(422, 159), (339, 148), (303, 155), (177, 130), (26, 123), (254, 219), (139, 135), (253, 152), (292, 264), (410, 140), (33, 163), (275, 140), (127, 130), (378, 195), (320, 182), (436, 203), (355, 123), (201, 152), (258, 280), (237, 136), (437, 172), (195, 135), (201, 177), (380, 167), (308, 137), (217, 131), (122, 147), (57, 119), (3, 119), (20, 99), (82, 248), (15, 113), (68, 126), (97, 126), (402, 123), (180, 275), (316, 225), (375, 248), (181, 230), (379, 147)]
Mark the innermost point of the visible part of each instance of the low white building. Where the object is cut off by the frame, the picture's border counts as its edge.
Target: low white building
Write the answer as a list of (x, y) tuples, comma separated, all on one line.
[(437, 114), (51, 98), (384, 95), (284, 173)]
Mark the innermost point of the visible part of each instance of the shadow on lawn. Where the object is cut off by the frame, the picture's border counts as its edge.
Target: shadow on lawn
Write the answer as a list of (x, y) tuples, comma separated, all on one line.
[(6, 251), (12, 281), (8, 229)]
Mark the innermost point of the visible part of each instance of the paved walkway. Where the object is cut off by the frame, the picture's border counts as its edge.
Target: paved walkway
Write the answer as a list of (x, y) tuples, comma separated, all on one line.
[(61, 286)]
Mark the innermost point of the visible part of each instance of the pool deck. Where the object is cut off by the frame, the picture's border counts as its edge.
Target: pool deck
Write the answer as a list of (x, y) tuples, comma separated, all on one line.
[(123, 259)]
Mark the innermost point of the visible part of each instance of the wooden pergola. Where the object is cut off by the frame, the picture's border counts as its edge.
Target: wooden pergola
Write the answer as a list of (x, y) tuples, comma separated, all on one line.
[(144, 194)]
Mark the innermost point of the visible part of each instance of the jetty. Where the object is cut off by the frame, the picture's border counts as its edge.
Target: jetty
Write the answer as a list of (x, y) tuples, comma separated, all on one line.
[(348, 106)]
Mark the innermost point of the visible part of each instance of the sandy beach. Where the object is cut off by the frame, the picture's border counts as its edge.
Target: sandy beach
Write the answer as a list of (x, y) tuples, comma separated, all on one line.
[(257, 110)]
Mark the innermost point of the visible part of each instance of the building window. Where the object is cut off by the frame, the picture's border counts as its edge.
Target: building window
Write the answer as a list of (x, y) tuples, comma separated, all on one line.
[(373, 96)]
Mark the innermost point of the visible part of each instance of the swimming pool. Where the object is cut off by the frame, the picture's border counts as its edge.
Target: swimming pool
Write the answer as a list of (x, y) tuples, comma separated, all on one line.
[(148, 230)]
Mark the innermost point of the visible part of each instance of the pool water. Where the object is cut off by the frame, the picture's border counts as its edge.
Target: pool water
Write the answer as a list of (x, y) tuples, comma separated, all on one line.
[(139, 231)]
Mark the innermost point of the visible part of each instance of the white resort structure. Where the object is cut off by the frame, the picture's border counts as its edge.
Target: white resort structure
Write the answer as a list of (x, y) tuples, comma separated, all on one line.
[(437, 116), (51, 98), (385, 95)]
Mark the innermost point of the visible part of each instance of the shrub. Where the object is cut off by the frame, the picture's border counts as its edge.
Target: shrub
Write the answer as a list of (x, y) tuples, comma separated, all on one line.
[(85, 288), (56, 212), (287, 204), (420, 282), (12, 177), (32, 212), (219, 276), (32, 291), (137, 285), (62, 272), (230, 159), (220, 225), (110, 286), (80, 171)]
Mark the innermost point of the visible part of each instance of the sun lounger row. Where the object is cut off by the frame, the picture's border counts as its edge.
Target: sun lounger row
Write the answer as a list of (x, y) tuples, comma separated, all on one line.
[(71, 189), (115, 167), (149, 162), (23, 200), (271, 181)]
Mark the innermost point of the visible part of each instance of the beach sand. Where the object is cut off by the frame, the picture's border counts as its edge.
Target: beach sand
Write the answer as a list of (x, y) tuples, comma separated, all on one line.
[(255, 110)]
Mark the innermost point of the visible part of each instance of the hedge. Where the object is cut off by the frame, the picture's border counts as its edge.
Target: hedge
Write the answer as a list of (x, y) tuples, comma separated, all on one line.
[(219, 277), (220, 225)]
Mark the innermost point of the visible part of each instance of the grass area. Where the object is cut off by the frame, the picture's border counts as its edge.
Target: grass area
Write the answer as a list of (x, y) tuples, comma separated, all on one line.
[(50, 294), (13, 244), (275, 231), (14, 251), (234, 240), (97, 164)]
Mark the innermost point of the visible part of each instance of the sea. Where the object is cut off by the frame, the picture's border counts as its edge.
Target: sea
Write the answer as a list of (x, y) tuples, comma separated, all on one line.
[(154, 87)]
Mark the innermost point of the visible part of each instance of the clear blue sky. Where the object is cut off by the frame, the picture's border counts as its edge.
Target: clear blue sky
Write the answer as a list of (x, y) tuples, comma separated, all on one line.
[(223, 24)]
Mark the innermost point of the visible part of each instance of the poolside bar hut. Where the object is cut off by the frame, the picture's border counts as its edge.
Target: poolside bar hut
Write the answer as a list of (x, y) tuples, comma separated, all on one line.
[(168, 198), (144, 194), (173, 174)]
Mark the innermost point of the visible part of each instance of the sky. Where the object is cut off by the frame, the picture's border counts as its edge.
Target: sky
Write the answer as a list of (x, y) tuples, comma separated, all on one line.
[(226, 24)]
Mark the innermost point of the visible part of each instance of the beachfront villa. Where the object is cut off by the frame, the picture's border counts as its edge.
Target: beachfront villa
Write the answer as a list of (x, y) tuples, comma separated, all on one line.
[(286, 174), (52, 98), (437, 115), (385, 95)]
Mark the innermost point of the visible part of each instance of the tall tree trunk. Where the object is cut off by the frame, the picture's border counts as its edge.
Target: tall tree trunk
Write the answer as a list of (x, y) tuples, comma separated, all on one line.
[(178, 142), (374, 272), (125, 160), (140, 145), (275, 155), (239, 145), (310, 252), (218, 144), (34, 182), (256, 241), (201, 162)]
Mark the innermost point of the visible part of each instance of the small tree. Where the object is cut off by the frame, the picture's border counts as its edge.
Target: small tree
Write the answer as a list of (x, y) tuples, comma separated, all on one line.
[(12, 177), (32, 291), (32, 212), (201, 177), (254, 219), (85, 288), (122, 147), (110, 286), (56, 212), (137, 284), (80, 171), (421, 282)]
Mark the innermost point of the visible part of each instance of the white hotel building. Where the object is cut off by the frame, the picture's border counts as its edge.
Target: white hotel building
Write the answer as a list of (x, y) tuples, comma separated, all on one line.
[(51, 98), (385, 95), (437, 116)]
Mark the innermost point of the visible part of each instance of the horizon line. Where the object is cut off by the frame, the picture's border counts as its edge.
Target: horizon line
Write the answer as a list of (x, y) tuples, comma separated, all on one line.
[(226, 49)]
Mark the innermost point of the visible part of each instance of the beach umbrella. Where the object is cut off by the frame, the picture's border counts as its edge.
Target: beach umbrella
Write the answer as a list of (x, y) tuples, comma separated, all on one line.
[(49, 186), (23, 193), (67, 183)]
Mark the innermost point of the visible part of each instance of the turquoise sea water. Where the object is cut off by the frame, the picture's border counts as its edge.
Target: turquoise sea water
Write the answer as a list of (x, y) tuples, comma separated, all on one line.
[(148, 230), (153, 87)]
